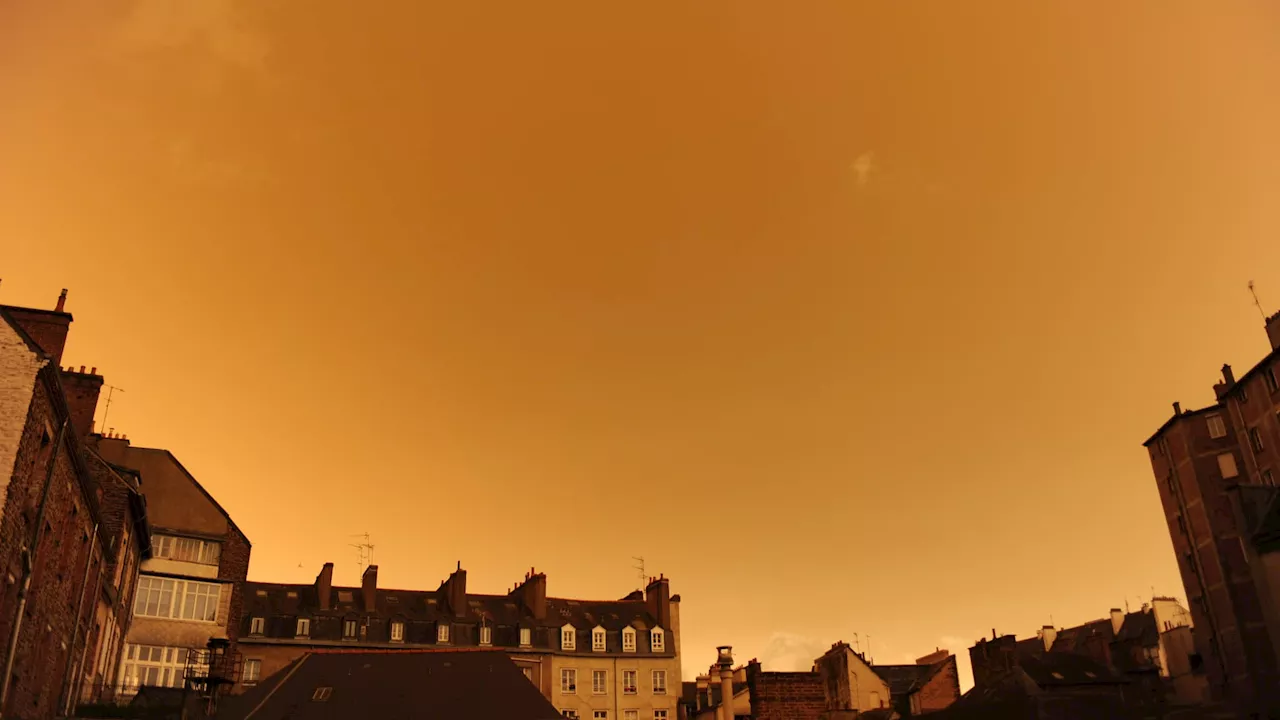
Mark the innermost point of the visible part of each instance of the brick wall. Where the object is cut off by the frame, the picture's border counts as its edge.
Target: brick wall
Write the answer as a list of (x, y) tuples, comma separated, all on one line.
[(785, 695), (59, 561), (234, 565), (942, 689)]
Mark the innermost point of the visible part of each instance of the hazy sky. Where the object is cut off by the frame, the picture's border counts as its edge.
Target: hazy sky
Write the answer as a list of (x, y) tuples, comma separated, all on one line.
[(849, 317)]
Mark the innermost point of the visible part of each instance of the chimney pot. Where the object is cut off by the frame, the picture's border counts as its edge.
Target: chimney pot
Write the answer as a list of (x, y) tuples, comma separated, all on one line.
[(93, 370), (1228, 376), (62, 301), (1177, 408)]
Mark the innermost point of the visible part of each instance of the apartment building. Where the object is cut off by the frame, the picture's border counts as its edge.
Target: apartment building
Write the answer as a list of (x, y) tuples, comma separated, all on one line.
[(592, 659)]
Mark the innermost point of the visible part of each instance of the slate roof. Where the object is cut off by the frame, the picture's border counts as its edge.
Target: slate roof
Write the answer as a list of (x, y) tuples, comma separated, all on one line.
[(1061, 669), (905, 679), (392, 685)]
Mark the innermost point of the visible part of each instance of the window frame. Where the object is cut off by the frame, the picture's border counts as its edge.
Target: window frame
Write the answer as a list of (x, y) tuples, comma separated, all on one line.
[(177, 597), (254, 663), (629, 639), (1235, 467), (257, 625), (568, 637), (397, 631), (599, 639), (659, 688), (634, 687), (442, 633), (302, 628), (354, 625), (660, 714), (486, 634), (526, 637), (657, 640), (1214, 422), (603, 677), (568, 681)]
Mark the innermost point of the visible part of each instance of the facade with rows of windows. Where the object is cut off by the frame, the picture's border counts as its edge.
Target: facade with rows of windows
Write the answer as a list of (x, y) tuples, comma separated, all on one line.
[(592, 659), (188, 590)]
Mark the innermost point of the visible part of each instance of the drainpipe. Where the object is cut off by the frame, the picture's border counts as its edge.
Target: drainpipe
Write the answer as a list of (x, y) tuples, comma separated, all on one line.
[(27, 563), (75, 634)]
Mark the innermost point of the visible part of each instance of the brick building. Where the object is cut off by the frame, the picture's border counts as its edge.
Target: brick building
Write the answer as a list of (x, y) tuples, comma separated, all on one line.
[(189, 589), (1214, 468), (62, 531), (592, 659)]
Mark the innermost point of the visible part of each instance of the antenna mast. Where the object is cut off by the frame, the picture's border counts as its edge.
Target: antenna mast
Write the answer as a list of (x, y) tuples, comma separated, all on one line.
[(112, 388), (644, 579), (1253, 292), (364, 552)]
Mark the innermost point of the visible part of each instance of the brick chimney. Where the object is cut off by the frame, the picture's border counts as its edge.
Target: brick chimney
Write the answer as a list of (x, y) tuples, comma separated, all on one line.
[(82, 389), (324, 586), (657, 598), (369, 588), (991, 659), (1117, 620), (48, 328), (454, 592), (1273, 331), (532, 594)]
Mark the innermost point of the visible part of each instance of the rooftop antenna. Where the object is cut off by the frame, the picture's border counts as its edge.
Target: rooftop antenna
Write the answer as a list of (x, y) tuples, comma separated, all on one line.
[(1253, 292), (364, 552), (857, 645), (110, 389), (644, 579)]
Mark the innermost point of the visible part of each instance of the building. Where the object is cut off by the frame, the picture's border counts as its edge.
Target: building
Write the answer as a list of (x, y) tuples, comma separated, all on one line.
[(189, 589), (597, 659), (1050, 685), (1209, 464), (456, 684), (67, 534), (843, 684)]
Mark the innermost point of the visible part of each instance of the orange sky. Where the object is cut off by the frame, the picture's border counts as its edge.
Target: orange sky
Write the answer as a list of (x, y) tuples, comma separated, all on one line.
[(540, 284)]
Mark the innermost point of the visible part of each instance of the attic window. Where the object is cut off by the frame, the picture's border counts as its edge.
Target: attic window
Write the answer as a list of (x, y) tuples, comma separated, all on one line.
[(628, 639), (597, 640), (568, 638), (256, 625), (657, 643), (292, 594), (345, 596), (322, 694), (261, 593), (526, 637), (442, 633), (486, 635), (397, 631)]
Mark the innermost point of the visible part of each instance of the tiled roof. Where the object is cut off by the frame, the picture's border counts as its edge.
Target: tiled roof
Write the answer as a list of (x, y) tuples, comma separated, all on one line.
[(402, 684)]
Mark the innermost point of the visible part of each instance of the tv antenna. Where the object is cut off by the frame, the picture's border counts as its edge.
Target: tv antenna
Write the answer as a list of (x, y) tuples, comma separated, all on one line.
[(1253, 292), (364, 552), (644, 579), (112, 388)]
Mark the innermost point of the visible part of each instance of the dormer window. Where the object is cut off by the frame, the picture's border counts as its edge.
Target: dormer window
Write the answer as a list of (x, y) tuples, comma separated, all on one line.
[(348, 629), (628, 639), (486, 635), (597, 639), (526, 637), (442, 633), (657, 642), (397, 631), (257, 625), (304, 627), (568, 638)]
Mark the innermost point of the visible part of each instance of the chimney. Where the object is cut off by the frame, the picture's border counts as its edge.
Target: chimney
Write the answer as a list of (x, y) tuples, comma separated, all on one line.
[(369, 588), (703, 684), (1273, 331), (1117, 620), (1177, 408), (725, 661), (1228, 377), (81, 389), (48, 329), (1048, 633), (62, 301), (455, 591), (532, 593), (324, 586), (657, 598)]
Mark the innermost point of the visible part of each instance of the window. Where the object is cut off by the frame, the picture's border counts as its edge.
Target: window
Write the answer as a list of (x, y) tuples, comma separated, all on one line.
[(572, 714), (599, 682), (661, 714), (252, 670), (1227, 464), (1217, 428), (597, 640), (397, 631), (348, 629), (153, 666), (257, 625), (177, 599), (322, 694), (1255, 439), (304, 627), (628, 639), (526, 637), (442, 633), (657, 643), (628, 682), (1270, 377), (630, 715), (659, 682), (183, 549), (568, 638), (568, 681), (486, 635), (528, 672), (600, 715), (1268, 478)]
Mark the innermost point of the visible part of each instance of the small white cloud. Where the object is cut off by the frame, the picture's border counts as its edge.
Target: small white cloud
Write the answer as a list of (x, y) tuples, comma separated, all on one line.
[(863, 167), (789, 652), (959, 647)]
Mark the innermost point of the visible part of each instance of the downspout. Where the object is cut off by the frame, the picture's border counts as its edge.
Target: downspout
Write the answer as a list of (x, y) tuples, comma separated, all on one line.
[(67, 683), (27, 566)]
